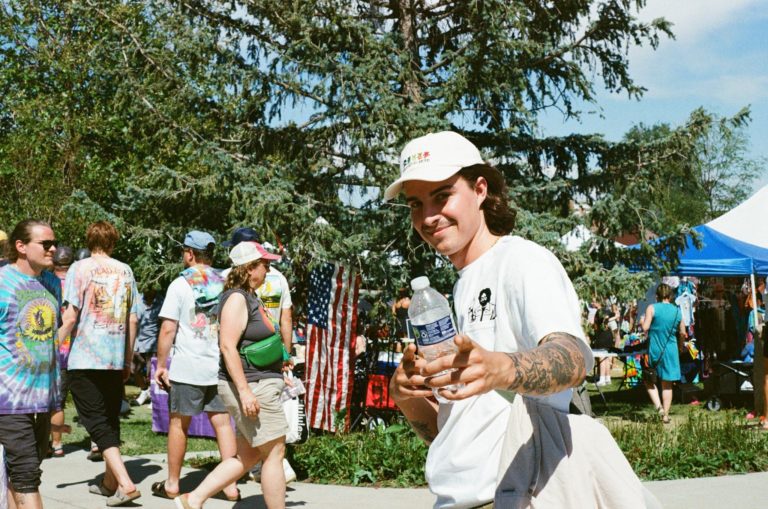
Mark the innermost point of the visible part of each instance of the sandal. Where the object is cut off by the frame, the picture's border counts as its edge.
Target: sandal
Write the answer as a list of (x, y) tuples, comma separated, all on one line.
[(100, 489), (120, 498), (223, 496), (158, 490), (665, 419), (57, 451), (181, 502)]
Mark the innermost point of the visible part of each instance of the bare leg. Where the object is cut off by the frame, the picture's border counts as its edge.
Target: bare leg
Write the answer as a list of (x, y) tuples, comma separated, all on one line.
[(24, 500), (11, 496), (178, 427), (605, 368), (225, 439), (115, 471), (227, 472), (272, 473), (653, 393), (57, 422), (666, 396)]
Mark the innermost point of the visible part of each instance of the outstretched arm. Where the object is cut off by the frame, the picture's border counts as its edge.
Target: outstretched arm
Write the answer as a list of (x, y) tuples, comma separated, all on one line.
[(557, 363)]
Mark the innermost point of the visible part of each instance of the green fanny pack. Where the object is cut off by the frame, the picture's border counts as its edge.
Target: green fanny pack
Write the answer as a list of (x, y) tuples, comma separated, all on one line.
[(265, 352)]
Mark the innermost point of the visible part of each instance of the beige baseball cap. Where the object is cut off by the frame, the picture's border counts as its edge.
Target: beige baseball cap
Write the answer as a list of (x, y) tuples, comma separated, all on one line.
[(434, 157)]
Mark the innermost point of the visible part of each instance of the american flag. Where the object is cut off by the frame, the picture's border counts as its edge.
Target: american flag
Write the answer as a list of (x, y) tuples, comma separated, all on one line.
[(330, 361)]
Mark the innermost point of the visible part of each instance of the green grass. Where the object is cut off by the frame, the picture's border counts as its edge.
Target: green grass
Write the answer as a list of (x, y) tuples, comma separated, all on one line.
[(698, 443), (135, 432)]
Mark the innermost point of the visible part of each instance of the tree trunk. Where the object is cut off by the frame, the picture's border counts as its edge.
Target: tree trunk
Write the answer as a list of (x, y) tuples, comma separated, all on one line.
[(407, 14)]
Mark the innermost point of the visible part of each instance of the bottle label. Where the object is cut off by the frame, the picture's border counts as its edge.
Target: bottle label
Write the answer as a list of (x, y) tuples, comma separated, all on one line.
[(435, 332)]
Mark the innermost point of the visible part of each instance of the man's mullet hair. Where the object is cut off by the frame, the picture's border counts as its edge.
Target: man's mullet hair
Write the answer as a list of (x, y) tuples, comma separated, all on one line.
[(499, 216)]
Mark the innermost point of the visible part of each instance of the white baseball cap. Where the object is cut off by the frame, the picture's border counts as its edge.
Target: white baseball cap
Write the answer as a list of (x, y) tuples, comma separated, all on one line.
[(248, 251), (434, 157)]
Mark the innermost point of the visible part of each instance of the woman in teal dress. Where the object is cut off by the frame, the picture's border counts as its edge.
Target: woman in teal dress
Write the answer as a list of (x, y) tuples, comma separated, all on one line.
[(666, 336)]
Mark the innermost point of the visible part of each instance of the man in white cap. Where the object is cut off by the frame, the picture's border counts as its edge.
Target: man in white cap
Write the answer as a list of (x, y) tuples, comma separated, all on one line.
[(486, 445), (190, 325)]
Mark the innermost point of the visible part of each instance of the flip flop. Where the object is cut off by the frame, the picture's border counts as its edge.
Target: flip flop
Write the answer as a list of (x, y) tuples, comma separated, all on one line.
[(158, 490), (223, 496), (120, 498), (181, 502)]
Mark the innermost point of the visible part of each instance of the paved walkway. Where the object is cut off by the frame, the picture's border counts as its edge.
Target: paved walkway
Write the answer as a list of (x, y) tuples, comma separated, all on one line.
[(65, 483)]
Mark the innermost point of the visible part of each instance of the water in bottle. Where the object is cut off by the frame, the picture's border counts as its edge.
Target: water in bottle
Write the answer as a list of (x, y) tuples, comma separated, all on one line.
[(433, 325)]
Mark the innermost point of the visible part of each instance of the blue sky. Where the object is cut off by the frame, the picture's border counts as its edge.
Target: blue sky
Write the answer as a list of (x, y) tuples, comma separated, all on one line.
[(719, 60)]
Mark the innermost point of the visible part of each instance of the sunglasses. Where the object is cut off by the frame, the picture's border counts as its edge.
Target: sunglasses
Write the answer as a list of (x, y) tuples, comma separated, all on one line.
[(47, 244)]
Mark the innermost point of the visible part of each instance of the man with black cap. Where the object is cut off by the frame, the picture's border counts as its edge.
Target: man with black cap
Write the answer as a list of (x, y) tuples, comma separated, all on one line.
[(276, 296), (190, 324)]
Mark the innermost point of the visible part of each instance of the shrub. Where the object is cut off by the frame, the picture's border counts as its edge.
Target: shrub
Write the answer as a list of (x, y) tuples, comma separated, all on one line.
[(394, 456), (703, 445)]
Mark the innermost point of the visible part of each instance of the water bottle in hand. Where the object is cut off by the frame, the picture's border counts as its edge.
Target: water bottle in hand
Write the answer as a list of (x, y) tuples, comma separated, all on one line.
[(433, 326)]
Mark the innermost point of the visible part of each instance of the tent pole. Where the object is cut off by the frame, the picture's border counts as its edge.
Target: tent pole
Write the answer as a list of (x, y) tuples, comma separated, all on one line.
[(758, 374), (754, 300)]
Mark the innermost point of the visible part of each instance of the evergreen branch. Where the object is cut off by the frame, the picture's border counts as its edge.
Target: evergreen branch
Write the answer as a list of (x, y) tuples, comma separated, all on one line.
[(133, 38)]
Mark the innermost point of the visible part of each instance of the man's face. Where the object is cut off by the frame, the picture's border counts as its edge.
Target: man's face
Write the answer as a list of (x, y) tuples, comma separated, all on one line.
[(483, 298), (38, 257), (447, 214), (187, 256)]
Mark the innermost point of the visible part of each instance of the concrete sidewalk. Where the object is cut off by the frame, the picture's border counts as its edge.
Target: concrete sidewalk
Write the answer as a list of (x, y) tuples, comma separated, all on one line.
[(65, 486)]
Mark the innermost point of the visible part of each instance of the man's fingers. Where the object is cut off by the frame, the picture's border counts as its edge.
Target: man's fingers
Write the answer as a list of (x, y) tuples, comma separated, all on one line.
[(464, 343), (463, 392)]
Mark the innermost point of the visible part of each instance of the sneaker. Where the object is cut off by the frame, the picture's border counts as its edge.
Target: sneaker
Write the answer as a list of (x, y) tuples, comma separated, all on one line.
[(125, 409), (290, 475), (141, 398)]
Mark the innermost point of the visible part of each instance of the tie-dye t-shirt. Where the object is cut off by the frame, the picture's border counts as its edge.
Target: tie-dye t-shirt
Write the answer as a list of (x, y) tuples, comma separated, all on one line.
[(29, 318), (104, 291)]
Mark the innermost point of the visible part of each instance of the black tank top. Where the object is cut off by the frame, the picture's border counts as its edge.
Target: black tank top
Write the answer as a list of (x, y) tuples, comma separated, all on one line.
[(256, 330)]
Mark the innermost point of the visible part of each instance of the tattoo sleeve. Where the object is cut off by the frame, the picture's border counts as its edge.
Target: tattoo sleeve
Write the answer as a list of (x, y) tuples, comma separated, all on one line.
[(423, 430), (556, 364)]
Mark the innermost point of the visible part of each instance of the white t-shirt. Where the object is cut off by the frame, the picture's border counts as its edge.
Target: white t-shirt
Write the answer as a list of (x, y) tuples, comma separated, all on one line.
[(196, 348), (530, 297)]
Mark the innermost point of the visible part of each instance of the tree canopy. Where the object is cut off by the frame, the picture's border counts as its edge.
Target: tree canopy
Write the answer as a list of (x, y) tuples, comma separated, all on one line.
[(168, 116)]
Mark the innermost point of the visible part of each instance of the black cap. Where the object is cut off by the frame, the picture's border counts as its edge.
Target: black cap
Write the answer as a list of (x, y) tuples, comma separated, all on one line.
[(82, 253), (243, 234), (63, 256)]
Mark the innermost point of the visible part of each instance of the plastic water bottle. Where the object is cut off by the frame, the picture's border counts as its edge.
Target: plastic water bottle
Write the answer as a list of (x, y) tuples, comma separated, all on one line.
[(433, 325)]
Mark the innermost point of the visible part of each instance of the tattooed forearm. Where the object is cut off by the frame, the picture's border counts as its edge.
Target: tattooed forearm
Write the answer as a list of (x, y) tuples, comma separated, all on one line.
[(424, 431), (556, 364)]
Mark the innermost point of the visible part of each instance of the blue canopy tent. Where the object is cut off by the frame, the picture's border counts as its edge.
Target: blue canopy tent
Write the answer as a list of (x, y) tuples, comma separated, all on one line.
[(734, 244), (721, 255)]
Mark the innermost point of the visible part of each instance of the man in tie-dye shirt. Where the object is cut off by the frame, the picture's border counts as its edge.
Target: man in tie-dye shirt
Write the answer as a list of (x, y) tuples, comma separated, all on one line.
[(101, 298), (30, 299)]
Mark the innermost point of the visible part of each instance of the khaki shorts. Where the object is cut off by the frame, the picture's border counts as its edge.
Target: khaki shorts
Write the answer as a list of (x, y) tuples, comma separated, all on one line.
[(270, 423)]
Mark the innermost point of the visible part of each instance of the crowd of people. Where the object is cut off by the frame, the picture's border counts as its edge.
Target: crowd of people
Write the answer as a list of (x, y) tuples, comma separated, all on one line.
[(74, 323), (501, 436)]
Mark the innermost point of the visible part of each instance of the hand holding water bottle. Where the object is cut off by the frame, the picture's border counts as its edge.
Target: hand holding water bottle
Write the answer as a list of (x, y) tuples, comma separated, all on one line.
[(472, 370)]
